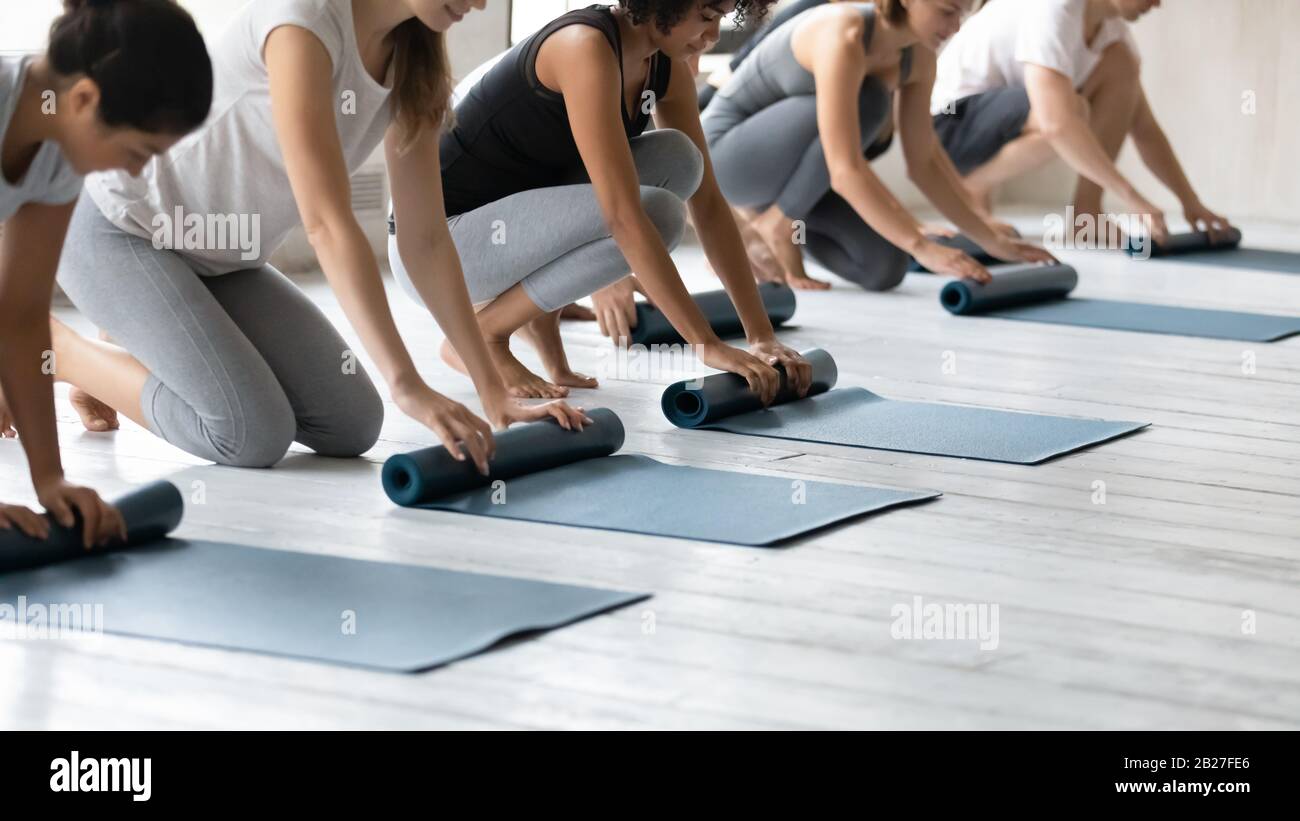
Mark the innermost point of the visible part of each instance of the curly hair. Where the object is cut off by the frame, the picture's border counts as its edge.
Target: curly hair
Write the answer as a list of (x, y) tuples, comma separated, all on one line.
[(668, 13)]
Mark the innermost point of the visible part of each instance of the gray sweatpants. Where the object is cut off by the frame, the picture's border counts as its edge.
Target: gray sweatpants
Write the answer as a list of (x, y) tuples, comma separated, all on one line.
[(242, 364), (554, 240), (775, 157)]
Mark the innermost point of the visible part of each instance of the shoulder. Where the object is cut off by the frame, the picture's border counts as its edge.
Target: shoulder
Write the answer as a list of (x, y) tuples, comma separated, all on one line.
[(323, 21)]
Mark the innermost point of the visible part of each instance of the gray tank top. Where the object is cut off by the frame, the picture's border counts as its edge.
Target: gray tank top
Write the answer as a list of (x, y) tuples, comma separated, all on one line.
[(771, 74)]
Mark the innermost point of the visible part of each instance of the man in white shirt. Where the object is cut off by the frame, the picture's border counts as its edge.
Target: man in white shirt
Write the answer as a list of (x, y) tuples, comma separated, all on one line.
[(1025, 80)]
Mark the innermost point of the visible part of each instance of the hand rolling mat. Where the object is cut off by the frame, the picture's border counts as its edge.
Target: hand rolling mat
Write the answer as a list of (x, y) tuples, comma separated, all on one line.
[(962, 243), (1198, 248), (342, 611), (1041, 293), (857, 417), (543, 473), (653, 328)]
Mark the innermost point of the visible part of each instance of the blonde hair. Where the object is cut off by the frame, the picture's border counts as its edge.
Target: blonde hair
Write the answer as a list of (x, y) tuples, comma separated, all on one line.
[(422, 84)]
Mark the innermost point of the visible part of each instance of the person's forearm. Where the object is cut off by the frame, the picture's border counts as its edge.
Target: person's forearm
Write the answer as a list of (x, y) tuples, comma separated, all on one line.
[(1158, 154), (353, 274), (1074, 141), (440, 281), (646, 254), (29, 391), (877, 206), (942, 186), (725, 250)]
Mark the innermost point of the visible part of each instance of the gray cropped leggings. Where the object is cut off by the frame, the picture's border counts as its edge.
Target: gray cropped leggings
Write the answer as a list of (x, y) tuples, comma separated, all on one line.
[(555, 241), (242, 364), (775, 157)]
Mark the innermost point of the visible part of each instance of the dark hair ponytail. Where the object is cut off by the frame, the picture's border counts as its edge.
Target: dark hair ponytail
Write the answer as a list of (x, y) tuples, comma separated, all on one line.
[(146, 56)]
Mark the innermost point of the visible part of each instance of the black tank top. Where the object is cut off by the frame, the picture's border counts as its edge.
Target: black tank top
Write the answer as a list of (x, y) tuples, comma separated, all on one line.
[(512, 133)]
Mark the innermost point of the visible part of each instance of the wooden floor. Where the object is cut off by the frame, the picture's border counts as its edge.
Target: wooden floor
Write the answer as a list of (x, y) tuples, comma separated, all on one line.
[(1124, 614)]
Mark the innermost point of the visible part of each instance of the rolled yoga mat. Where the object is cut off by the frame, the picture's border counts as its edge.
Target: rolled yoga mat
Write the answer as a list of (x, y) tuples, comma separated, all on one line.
[(1041, 293), (1198, 248), (342, 611), (543, 473), (150, 513), (860, 418), (653, 328), (962, 243)]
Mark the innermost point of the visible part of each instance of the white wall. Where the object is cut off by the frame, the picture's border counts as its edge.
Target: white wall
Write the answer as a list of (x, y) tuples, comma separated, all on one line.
[(1201, 58)]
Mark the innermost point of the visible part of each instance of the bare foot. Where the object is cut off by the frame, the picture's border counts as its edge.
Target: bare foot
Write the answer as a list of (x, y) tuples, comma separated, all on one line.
[(761, 259), (778, 232), (95, 415), (577, 313), (520, 382), (543, 334)]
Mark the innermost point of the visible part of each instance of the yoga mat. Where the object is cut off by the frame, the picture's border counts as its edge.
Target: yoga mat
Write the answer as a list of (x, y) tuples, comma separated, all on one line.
[(962, 243), (323, 608), (561, 477), (1197, 248), (653, 328), (860, 418), (1038, 293), (150, 513)]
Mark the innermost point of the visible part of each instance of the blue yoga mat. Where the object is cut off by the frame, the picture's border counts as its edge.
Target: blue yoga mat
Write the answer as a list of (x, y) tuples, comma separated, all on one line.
[(543, 473), (1041, 293), (322, 608), (653, 327), (1198, 248), (860, 418)]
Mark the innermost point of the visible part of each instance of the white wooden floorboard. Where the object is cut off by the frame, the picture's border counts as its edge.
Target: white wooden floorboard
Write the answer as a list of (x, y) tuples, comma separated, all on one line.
[(1127, 614)]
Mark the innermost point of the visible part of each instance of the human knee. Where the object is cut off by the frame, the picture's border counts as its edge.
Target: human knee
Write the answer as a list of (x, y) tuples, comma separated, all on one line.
[(682, 160), (355, 419), (893, 264), (256, 435), (668, 213)]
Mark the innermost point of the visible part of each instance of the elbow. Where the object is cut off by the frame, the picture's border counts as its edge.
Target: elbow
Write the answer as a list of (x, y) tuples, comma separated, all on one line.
[(320, 233), (1054, 128), (325, 230), (842, 175), (623, 219)]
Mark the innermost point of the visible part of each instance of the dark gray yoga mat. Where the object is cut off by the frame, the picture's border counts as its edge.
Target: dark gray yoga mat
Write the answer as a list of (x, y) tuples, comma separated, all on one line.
[(342, 611), (1198, 248), (1041, 293), (569, 478), (857, 417), (653, 328)]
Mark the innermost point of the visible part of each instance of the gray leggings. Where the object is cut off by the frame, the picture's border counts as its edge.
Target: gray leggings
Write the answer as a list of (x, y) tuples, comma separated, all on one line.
[(555, 241), (776, 157), (242, 364)]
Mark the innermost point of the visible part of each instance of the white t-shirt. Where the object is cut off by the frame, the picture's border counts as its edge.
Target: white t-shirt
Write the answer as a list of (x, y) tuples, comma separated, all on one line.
[(233, 164), (994, 45), (50, 179)]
